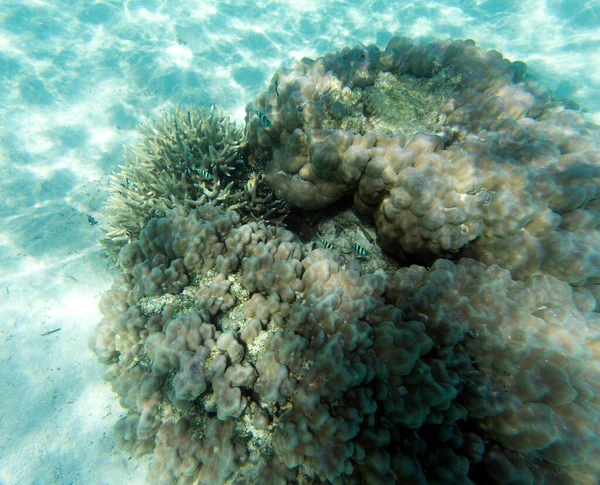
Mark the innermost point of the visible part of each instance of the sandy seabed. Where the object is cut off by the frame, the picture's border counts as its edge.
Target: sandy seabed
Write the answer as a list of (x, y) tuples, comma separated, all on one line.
[(78, 77)]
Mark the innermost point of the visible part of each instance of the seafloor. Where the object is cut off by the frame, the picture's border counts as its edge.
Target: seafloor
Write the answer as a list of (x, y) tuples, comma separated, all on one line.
[(78, 77)]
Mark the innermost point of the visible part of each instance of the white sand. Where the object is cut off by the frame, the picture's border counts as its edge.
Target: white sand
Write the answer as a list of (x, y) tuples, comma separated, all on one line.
[(75, 80)]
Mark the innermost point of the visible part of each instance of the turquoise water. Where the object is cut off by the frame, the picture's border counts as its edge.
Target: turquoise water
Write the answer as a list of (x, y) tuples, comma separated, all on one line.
[(77, 78)]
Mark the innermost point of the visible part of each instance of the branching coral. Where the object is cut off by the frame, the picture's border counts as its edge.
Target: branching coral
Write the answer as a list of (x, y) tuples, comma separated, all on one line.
[(189, 159)]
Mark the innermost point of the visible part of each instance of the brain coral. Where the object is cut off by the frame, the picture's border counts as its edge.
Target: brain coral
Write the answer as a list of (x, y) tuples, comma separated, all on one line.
[(447, 147), (243, 357)]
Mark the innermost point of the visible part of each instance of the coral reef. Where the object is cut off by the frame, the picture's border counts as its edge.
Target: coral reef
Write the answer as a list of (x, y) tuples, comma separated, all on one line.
[(244, 357), (190, 158), (447, 147)]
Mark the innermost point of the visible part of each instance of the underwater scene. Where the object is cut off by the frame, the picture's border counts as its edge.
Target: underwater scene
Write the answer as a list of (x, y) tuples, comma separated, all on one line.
[(302, 242)]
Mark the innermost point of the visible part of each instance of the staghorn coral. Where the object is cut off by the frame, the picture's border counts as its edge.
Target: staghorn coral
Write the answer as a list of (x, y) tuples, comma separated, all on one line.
[(277, 365), (190, 158), (447, 147)]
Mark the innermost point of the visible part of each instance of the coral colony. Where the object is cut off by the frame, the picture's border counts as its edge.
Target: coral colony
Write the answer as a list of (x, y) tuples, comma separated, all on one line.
[(459, 346), (187, 160)]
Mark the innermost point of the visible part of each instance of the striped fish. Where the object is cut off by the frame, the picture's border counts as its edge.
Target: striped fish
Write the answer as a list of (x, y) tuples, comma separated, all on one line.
[(283, 203), (326, 244), (360, 252), (206, 174), (261, 116)]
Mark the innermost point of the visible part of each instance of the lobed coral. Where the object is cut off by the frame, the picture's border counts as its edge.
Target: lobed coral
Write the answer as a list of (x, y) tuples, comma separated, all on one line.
[(447, 147), (244, 356), (189, 159), (269, 363)]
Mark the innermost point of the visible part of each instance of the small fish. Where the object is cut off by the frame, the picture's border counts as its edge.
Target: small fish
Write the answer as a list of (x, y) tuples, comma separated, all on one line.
[(50, 332), (277, 84), (361, 252), (206, 174), (91, 220), (366, 233), (261, 116), (326, 244), (283, 203)]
